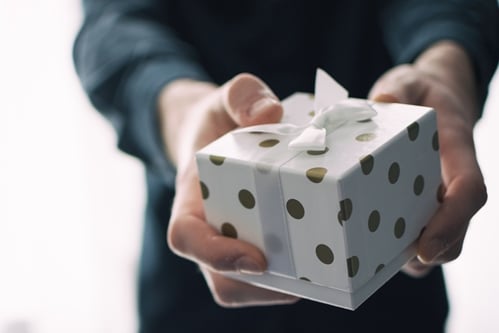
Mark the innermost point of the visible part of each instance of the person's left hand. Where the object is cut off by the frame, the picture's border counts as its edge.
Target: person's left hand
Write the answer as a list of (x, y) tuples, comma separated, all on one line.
[(442, 78)]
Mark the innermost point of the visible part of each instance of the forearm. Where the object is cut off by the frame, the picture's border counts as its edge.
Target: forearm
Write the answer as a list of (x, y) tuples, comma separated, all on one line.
[(125, 54), (413, 26), (175, 102)]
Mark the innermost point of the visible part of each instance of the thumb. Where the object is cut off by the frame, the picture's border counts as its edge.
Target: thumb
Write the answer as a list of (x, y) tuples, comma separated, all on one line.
[(249, 101), (402, 84)]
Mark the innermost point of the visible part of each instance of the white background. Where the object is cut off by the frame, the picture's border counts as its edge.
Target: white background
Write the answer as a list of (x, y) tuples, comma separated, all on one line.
[(71, 204)]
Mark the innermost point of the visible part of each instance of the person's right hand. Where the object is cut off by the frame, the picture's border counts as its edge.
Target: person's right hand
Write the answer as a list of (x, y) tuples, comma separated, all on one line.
[(192, 114)]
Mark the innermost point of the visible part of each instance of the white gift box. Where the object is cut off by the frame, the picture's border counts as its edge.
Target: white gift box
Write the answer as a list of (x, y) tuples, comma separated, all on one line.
[(334, 223)]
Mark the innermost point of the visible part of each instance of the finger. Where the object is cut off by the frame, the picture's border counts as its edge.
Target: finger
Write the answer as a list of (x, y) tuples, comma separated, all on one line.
[(442, 239), (464, 192), (399, 85), (232, 293), (191, 237), (416, 268), (249, 101)]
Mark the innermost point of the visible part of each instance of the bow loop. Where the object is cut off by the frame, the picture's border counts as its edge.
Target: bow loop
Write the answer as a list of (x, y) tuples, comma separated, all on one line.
[(312, 138)]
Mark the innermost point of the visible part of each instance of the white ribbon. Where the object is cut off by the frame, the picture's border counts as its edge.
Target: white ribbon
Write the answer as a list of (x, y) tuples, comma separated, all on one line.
[(332, 109)]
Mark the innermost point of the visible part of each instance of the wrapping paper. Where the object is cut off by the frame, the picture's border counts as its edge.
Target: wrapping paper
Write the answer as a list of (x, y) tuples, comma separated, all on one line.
[(335, 214)]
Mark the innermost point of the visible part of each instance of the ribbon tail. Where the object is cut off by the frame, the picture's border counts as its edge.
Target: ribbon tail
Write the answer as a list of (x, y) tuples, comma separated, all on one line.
[(311, 138)]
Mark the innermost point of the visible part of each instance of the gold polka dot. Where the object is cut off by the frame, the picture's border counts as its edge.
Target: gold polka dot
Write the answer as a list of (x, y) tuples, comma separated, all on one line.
[(316, 175), (367, 164), (295, 209), (246, 199), (413, 131), (418, 186), (394, 173), (346, 209), (269, 143), (434, 142), (324, 254), (317, 152), (311, 113), (365, 137), (305, 279), (204, 190), (353, 266), (379, 268), (228, 230), (340, 218), (311, 96), (399, 228), (217, 160), (373, 221)]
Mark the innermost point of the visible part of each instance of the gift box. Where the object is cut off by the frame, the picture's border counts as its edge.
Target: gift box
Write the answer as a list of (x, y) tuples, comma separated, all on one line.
[(334, 196)]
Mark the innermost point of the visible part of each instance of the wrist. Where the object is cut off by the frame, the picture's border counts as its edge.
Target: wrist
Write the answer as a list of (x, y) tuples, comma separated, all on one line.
[(448, 63), (174, 104)]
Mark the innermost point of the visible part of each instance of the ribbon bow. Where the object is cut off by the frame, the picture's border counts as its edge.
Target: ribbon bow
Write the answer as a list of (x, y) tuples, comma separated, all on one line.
[(332, 109)]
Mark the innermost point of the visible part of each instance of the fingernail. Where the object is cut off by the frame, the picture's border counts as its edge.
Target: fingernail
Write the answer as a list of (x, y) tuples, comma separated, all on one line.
[(248, 266), (386, 98), (260, 105)]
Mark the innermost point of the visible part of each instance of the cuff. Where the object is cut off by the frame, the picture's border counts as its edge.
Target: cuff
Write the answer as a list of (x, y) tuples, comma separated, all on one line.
[(483, 61), (141, 133)]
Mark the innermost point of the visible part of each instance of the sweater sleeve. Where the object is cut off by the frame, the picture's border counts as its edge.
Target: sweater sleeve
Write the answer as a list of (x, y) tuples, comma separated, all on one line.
[(410, 26), (124, 55)]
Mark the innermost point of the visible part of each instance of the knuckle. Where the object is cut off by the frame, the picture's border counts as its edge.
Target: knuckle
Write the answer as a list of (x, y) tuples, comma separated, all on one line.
[(478, 190), (244, 76)]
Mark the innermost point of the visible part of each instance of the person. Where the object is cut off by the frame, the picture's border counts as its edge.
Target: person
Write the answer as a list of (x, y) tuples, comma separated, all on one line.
[(172, 76)]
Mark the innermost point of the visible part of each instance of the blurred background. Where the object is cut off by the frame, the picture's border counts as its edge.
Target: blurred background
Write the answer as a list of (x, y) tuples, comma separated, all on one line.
[(71, 203)]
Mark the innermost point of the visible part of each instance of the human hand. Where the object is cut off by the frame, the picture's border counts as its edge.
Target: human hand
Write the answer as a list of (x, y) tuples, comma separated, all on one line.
[(442, 78), (192, 114)]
